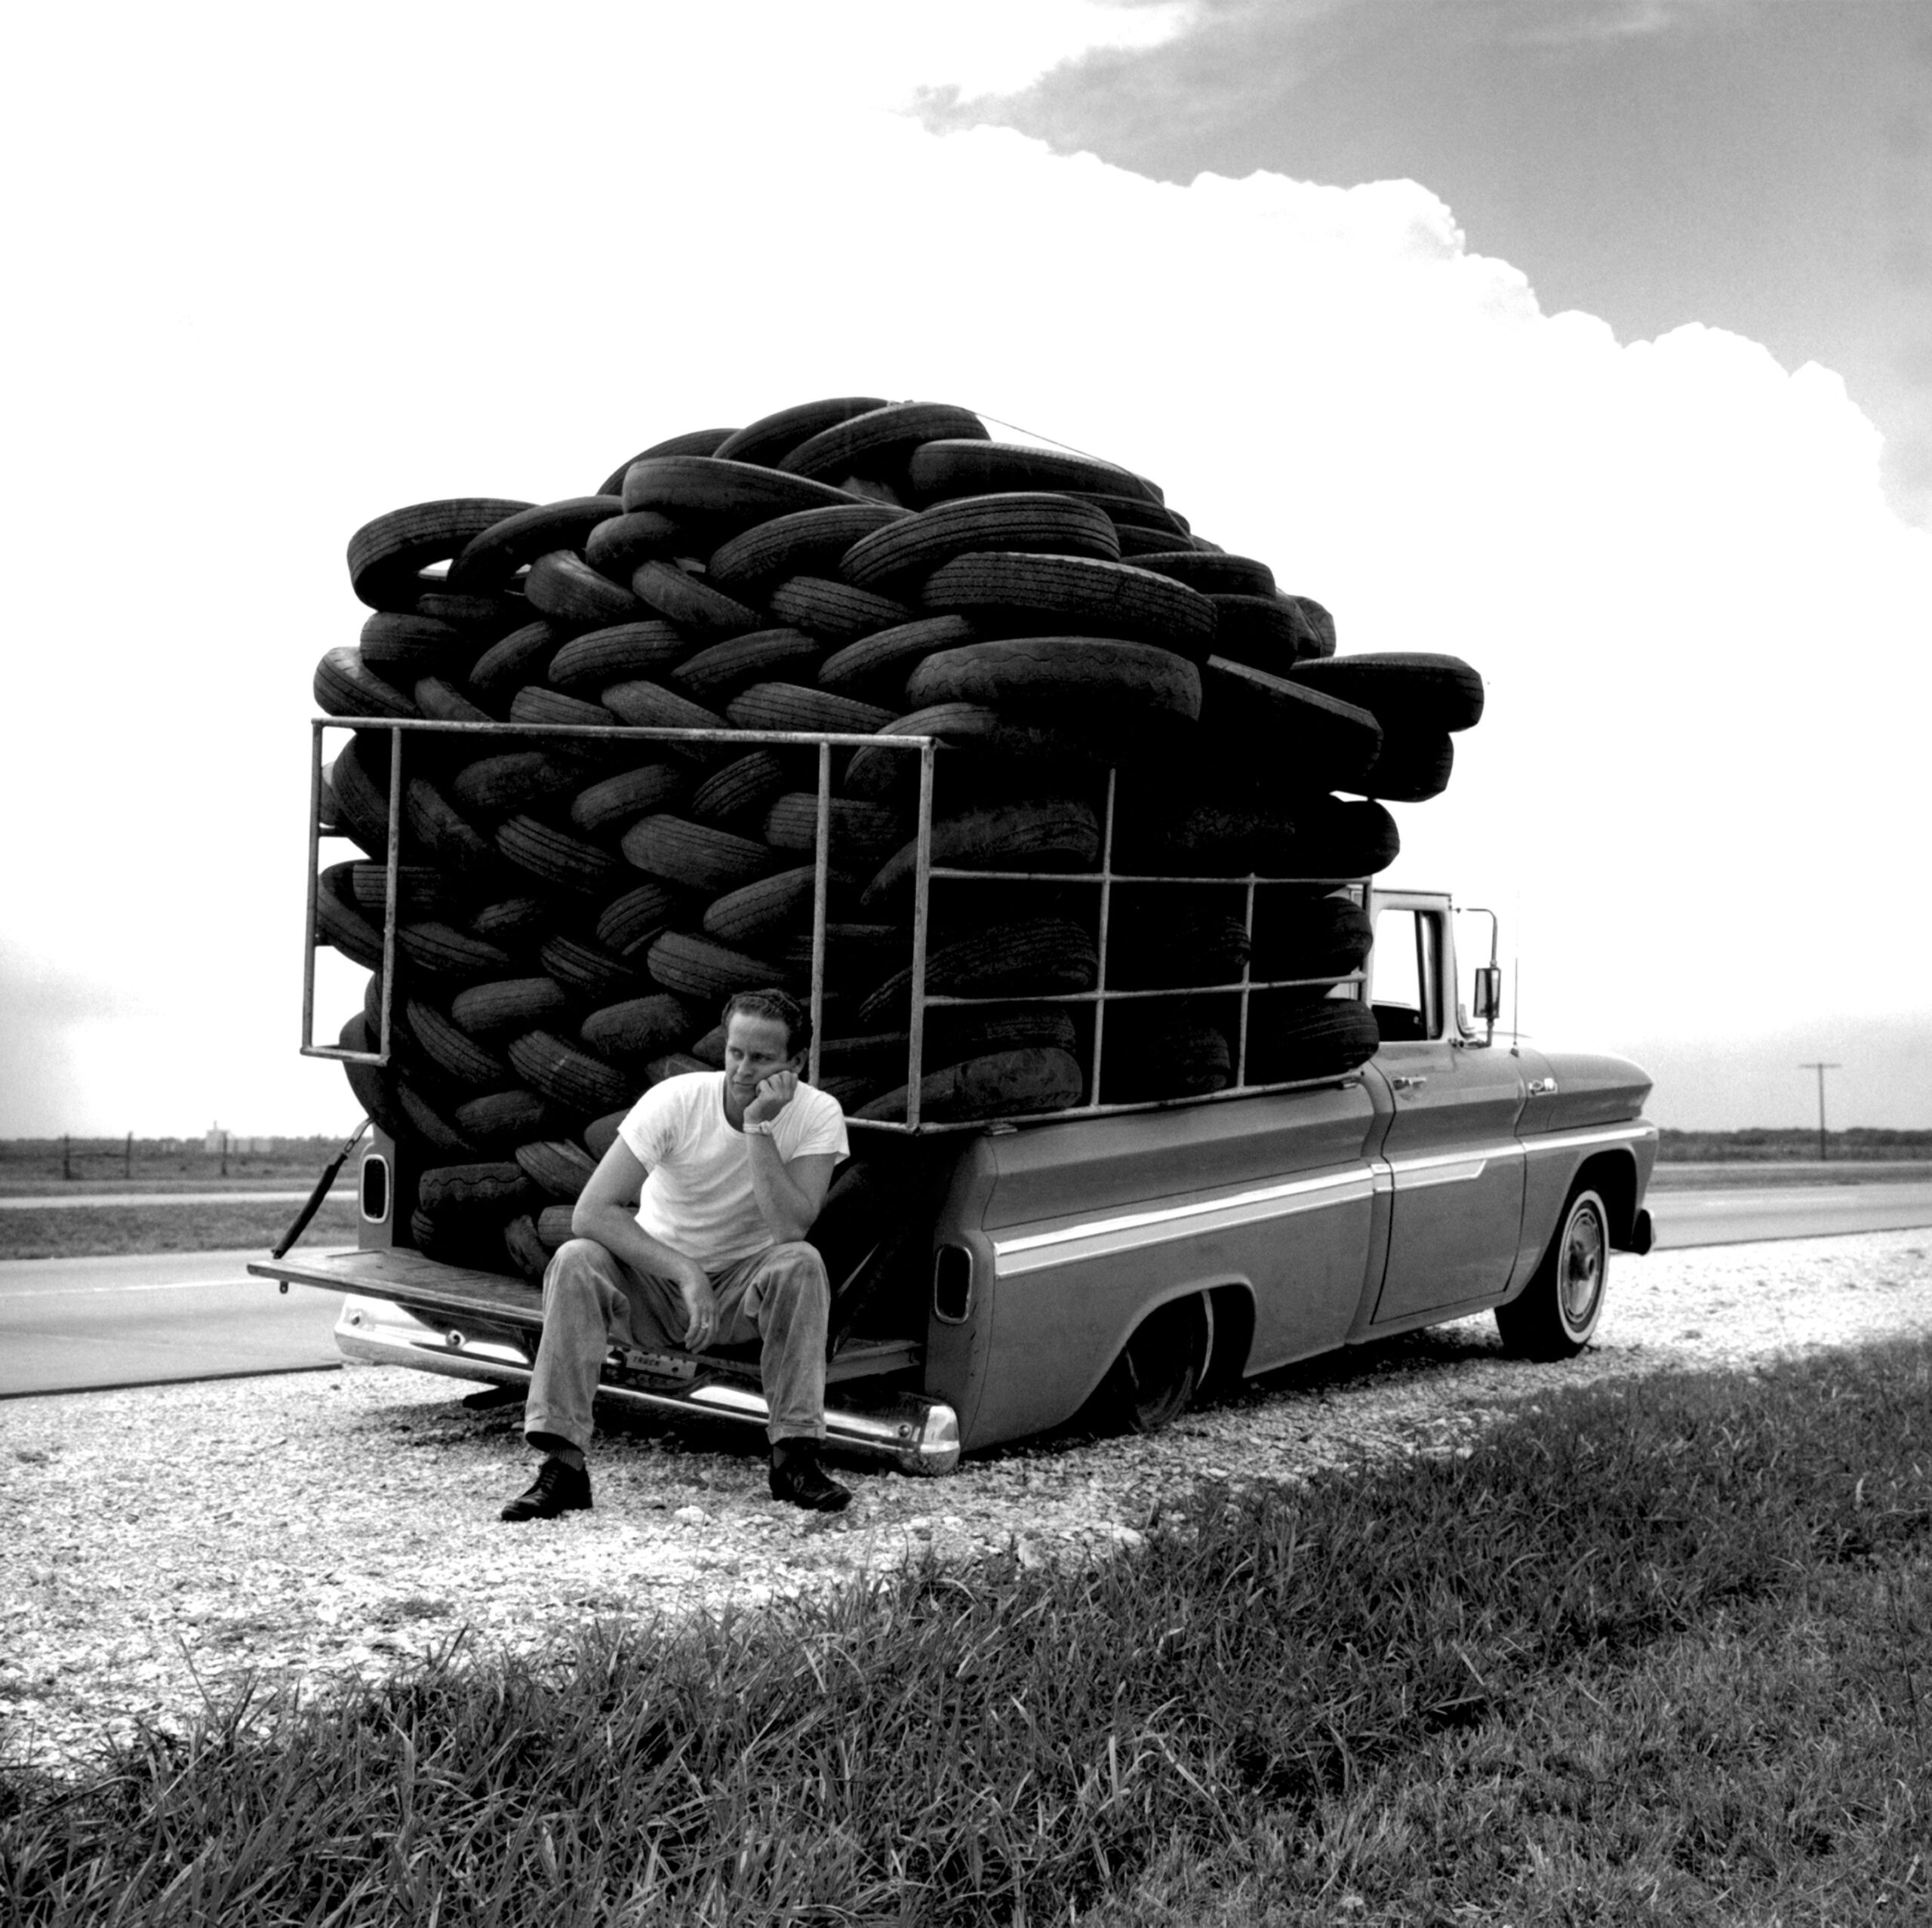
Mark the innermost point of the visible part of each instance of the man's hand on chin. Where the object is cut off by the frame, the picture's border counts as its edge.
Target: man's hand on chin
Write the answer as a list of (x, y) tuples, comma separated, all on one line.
[(774, 1094)]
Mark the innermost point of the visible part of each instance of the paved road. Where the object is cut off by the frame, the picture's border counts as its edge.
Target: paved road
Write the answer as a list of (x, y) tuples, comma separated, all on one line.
[(1737, 1214), (70, 1324), (60, 1200)]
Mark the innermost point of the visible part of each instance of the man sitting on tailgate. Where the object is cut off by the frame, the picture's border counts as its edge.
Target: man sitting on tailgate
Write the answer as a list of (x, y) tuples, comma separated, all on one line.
[(691, 1233)]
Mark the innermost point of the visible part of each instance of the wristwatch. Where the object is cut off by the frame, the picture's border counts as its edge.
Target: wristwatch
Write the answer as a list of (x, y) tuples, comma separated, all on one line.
[(761, 1127)]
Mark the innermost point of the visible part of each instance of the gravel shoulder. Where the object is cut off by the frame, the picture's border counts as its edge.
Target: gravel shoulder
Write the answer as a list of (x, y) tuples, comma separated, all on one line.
[(165, 1544)]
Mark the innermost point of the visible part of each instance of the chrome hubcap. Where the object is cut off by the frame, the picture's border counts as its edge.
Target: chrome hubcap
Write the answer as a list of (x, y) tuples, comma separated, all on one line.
[(1582, 1268)]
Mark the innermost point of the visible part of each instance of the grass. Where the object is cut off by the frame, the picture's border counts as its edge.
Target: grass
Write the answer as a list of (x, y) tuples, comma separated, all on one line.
[(1657, 1652), (1767, 1145), (114, 1164), (78, 1232)]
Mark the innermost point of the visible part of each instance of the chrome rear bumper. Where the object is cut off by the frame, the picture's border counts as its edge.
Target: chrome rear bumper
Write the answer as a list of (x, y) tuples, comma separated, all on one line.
[(907, 1430)]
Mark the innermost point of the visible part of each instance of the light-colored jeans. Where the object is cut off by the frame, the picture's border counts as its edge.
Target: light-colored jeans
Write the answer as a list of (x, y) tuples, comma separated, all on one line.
[(592, 1301)]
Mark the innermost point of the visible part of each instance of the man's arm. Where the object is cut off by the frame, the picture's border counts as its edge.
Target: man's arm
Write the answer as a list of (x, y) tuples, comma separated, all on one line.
[(606, 1210), (790, 1196)]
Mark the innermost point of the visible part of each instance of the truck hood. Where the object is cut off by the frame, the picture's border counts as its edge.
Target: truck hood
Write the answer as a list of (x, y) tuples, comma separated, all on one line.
[(1592, 1088)]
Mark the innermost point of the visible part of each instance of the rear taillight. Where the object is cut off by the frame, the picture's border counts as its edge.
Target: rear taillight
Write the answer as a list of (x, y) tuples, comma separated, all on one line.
[(375, 1189)]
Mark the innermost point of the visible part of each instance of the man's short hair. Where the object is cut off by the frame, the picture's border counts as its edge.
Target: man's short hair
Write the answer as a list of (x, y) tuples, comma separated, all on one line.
[(775, 1004)]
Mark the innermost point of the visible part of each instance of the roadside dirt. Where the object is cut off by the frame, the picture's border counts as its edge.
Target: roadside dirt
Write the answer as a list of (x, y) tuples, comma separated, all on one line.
[(167, 1544)]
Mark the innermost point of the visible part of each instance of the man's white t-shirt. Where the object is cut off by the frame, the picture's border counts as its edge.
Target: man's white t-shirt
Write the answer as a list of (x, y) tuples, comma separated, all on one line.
[(698, 1196)]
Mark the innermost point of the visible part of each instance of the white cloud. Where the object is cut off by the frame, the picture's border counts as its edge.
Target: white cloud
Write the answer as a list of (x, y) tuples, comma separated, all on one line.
[(285, 278)]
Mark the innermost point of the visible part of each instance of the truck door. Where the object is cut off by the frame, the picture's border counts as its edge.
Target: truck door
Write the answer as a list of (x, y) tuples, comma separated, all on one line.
[(1456, 1164)]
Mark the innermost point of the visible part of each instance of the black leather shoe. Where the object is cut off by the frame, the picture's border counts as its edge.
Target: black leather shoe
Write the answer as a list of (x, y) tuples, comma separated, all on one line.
[(796, 1476), (557, 1488)]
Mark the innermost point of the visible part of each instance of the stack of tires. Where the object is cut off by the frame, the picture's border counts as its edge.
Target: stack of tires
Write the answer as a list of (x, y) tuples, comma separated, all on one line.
[(572, 911)]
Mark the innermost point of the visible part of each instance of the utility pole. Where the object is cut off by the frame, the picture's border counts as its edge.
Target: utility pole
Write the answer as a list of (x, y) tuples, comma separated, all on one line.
[(1813, 1064)]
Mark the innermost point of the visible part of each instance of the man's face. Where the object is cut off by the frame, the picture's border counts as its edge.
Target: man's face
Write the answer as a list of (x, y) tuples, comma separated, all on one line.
[(754, 1047)]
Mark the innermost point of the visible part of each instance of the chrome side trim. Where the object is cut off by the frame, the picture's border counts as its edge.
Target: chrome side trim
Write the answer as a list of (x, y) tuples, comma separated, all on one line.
[(1615, 1134), (1033, 1252), (1461, 1167)]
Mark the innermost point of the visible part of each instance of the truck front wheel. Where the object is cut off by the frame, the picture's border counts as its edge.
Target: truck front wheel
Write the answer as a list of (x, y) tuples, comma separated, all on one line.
[(1558, 1311), (1155, 1380)]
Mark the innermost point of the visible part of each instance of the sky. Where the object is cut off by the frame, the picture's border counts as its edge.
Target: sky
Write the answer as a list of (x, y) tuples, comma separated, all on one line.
[(1576, 340)]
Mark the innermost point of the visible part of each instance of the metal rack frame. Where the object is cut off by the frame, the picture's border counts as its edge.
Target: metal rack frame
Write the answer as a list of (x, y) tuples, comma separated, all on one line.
[(925, 874)]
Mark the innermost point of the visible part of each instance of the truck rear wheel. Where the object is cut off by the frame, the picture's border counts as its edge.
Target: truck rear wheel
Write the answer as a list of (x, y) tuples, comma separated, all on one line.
[(1155, 1380), (1557, 1311)]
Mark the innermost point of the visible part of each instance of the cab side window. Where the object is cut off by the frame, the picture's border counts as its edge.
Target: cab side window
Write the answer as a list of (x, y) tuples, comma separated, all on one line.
[(1405, 985)]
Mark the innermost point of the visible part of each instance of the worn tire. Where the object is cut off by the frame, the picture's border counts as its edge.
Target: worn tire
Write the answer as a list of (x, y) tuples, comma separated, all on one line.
[(793, 706), (1297, 935), (619, 801), (1160, 1369), (874, 669), (402, 649), (742, 789), (573, 1078), (557, 1167), (1033, 957), (440, 700), (1055, 834), (693, 441), (879, 440), (690, 965), (1269, 632), (600, 657), (771, 437), (588, 974), (695, 485), (642, 916), (691, 603), (1001, 1084), (1407, 690), (715, 674), (901, 554), (495, 787), (489, 560), (1155, 1050), (941, 469), (443, 952), (1059, 674), (835, 611), (1314, 740), (772, 908), (860, 834), (698, 856), (340, 922), (1556, 1314), (524, 655), (344, 685), (489, 1187), (636, 1030), (564, 587), (1290, 1038), (386, 556), (616, 547), (649, 706), (509, 1003), (1212, 574), (809, 543), (517, 924), (565, 862), (452, 1049), (1076, 592), (501, 1120), (1413, 766)]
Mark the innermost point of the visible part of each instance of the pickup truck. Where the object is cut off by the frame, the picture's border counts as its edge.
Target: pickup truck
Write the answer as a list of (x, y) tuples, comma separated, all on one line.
[(999, 1277)]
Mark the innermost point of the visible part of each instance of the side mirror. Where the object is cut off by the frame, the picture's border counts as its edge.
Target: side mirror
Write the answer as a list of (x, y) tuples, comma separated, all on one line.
[(1489, 993)]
